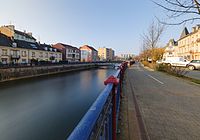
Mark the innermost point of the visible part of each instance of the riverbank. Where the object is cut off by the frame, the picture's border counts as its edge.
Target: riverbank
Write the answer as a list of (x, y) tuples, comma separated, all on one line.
[(12, 74)]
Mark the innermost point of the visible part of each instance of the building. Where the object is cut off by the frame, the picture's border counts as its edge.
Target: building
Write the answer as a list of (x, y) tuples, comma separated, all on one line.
[(11, 32), (127, 56), (88, 54), (106, 54), (171, 49), (23, 51), (69, 53), (189, 44)]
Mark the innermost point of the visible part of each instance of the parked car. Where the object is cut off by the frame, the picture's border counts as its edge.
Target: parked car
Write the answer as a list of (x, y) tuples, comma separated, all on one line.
[(159, 61), (194, 64), (176, 61)]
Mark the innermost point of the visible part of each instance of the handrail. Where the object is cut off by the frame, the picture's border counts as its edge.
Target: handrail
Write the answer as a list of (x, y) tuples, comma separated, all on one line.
[(85, 126), (103, 114)]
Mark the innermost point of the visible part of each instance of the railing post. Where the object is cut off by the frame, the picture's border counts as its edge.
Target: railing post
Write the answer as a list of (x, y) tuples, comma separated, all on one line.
[(113, 80)]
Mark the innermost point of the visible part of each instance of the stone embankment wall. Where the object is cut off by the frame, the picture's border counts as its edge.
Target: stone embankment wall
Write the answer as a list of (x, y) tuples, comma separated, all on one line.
[(27, 72)]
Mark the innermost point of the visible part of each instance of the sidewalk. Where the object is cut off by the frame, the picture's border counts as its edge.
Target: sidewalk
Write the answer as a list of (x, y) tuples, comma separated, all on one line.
[(128, 123), (170, 110)]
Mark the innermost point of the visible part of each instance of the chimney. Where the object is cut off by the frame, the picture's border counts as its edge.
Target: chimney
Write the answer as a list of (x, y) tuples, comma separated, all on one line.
[(197, 27), (12, 27), (29, 33), (193, 29)]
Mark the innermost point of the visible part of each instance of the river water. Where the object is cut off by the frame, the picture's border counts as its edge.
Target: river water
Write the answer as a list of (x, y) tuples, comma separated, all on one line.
[(48, 108)]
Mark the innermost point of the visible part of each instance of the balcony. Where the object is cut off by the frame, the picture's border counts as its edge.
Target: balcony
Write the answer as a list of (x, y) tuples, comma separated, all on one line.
[(15, 56)]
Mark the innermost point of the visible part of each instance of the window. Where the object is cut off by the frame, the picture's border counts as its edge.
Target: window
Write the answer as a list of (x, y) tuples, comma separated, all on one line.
[(4, 52), (33, 54), (4, 60), (41, 54), (24, 53), (33, 46), (46, 55), (24, 61)]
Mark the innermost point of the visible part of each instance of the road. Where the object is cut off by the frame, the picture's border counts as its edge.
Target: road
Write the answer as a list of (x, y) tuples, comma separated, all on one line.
[(169, 106)]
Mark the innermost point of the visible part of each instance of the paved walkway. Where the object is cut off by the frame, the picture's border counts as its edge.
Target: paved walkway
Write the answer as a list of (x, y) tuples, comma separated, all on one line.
[(170, 107)]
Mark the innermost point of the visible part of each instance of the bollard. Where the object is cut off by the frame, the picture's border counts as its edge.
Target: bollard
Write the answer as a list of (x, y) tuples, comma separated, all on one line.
[(113, 80)]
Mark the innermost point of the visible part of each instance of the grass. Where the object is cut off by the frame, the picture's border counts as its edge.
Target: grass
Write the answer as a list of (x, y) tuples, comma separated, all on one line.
[(197, 81), (174, 71)]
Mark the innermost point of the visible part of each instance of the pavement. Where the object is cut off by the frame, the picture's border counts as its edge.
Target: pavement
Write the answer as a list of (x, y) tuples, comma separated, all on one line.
[(169, 107)]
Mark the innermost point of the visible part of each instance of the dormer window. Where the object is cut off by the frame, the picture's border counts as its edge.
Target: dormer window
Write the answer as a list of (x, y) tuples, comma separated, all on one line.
[(14, 45), (33, 46)]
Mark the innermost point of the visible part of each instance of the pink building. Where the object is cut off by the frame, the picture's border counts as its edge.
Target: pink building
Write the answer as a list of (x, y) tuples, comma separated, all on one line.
[(88, 54), (69, 53)]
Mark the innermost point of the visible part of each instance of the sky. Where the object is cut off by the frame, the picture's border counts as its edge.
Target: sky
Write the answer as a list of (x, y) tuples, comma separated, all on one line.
[(116, 24)]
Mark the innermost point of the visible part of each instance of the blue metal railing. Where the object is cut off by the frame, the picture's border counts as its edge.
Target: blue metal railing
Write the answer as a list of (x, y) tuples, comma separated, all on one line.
[(99, 122)]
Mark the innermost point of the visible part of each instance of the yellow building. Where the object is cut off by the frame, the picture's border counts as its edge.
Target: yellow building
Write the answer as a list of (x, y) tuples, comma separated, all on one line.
[(11, 32), (105, 54), (189, 44), (20, 51), (21, 47)]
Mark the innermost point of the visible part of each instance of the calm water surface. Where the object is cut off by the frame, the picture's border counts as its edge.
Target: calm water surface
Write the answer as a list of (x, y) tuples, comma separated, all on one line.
[(48, 108)]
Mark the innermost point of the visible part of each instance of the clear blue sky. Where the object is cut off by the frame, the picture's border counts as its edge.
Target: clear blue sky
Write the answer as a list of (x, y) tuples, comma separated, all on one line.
[(116, 24)]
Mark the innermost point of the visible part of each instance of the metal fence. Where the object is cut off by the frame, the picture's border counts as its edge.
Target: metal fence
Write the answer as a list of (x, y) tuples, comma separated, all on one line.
[(100, 122)]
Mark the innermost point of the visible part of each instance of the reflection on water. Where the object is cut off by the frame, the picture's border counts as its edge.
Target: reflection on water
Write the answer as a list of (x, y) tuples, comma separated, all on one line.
[(48, 108)]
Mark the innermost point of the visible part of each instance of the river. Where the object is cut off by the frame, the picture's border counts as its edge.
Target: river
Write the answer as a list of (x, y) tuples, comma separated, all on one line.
[(48, 108)]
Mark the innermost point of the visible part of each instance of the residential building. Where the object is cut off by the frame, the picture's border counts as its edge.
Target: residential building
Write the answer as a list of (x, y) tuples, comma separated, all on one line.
[(11, 32), (127, 56), (20, 51), (189, 44), (171, 49), (88, 54), (105, 54), (69, 53)]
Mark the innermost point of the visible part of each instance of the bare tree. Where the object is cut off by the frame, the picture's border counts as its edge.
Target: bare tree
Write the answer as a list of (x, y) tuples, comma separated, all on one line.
[(181, 10), (153, 35), (151, 38)]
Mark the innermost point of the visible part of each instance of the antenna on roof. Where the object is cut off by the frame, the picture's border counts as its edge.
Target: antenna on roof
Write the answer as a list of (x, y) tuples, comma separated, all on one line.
[(39, 38)]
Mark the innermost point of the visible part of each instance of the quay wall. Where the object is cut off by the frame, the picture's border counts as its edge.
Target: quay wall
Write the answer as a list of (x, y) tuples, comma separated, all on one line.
[(11, 74)]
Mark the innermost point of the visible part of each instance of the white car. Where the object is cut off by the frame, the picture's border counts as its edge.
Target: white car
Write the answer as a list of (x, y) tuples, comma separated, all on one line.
[(159, 61), (176, 61)]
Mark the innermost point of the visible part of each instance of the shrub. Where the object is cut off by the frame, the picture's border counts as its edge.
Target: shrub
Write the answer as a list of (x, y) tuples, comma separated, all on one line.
[(145, 63), (174, 70)]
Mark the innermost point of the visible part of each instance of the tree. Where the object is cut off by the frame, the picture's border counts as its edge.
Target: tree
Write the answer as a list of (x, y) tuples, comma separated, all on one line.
[(181, 10), (153, 35), (151, 41)]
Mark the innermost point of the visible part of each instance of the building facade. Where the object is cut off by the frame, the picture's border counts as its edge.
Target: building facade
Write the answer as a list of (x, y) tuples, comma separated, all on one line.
[(106, 54), (14, 51), (127, 56), (11, 32), (88, 54), (189, 44), (69, 53), (171, 49)]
